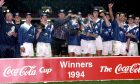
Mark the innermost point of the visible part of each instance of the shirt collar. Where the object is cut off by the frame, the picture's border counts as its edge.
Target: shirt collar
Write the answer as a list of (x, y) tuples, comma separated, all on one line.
[(27, 26), (10, 22), (46, 26)]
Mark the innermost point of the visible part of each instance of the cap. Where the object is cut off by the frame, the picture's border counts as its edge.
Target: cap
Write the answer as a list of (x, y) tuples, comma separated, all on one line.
[(131, 16), (79, 13), (70, 11), (43, 14), (107, 13), (28, 13), (16, 14), (61, 11), (96, 9)]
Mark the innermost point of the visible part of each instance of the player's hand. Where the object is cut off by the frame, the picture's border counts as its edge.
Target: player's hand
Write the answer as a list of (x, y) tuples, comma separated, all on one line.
[(14, 34), (9, 33), (90, 16), (129, 34), (22, 49), (74, 15), (39, 30), (1, 3), (110, 5), (69, 15), (121, 26), (102, 14), (96, 35), (87, 34), (132, 36)]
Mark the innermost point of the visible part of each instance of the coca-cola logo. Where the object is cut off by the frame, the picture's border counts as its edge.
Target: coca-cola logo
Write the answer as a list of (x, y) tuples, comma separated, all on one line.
[(23, 71), (134, 68)]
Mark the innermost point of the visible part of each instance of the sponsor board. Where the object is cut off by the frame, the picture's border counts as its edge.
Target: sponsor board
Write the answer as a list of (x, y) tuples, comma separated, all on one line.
[(69, 69)]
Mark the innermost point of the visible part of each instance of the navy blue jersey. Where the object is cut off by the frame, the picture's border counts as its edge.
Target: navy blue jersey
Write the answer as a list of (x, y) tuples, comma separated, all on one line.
[(73, 37), (106, 32), (115, 26), (97, 26), (135, 32), (90, 30), (7, 40), (119, 34), (73, 24), (46, 35), (74, 40), (26, 34), (10, 39), (73, 28), (5, 30), (17, 27)]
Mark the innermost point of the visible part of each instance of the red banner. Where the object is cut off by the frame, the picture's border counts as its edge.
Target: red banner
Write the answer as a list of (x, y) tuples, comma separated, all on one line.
[(69, 69)]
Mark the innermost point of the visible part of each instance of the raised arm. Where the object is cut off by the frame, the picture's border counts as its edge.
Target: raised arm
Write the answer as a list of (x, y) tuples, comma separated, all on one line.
[(110, 5), (2, 20)]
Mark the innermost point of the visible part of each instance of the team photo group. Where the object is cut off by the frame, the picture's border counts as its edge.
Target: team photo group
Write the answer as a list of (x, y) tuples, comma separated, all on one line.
[(99, 33)]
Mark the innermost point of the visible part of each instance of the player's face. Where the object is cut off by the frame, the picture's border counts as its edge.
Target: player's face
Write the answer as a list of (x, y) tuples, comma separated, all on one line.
[(95, 13), (44, 19), (137, 20), (61, 15), (130, 20), (89, 16), (9, 16), (28, 18), (108, 17), (17, 18), (117, 16), (122, 17)]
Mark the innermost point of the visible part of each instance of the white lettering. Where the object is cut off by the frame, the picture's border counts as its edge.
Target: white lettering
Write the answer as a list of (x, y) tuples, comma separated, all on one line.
[(135, 68), (44, 70), (63, 64), (105, 69), (24, 71), (68, 64)]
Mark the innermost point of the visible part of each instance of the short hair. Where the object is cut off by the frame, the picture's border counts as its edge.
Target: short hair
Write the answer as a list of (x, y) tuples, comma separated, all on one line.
[(41, 26)]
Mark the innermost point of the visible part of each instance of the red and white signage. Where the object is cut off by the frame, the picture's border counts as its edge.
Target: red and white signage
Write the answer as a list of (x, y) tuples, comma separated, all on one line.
[(68, 69)]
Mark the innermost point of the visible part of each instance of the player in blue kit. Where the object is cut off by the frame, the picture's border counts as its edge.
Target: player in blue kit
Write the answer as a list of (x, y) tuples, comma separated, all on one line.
[(96, 24), (137, 22), (88, 36), (26, 37), (120, 29), (74, 48), (133, 34), (44, 38), (106, 34), (8, 34), (17, 22)]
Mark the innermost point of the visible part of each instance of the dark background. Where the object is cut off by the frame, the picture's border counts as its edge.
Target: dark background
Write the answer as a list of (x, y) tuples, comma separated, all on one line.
[(23, 6)]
